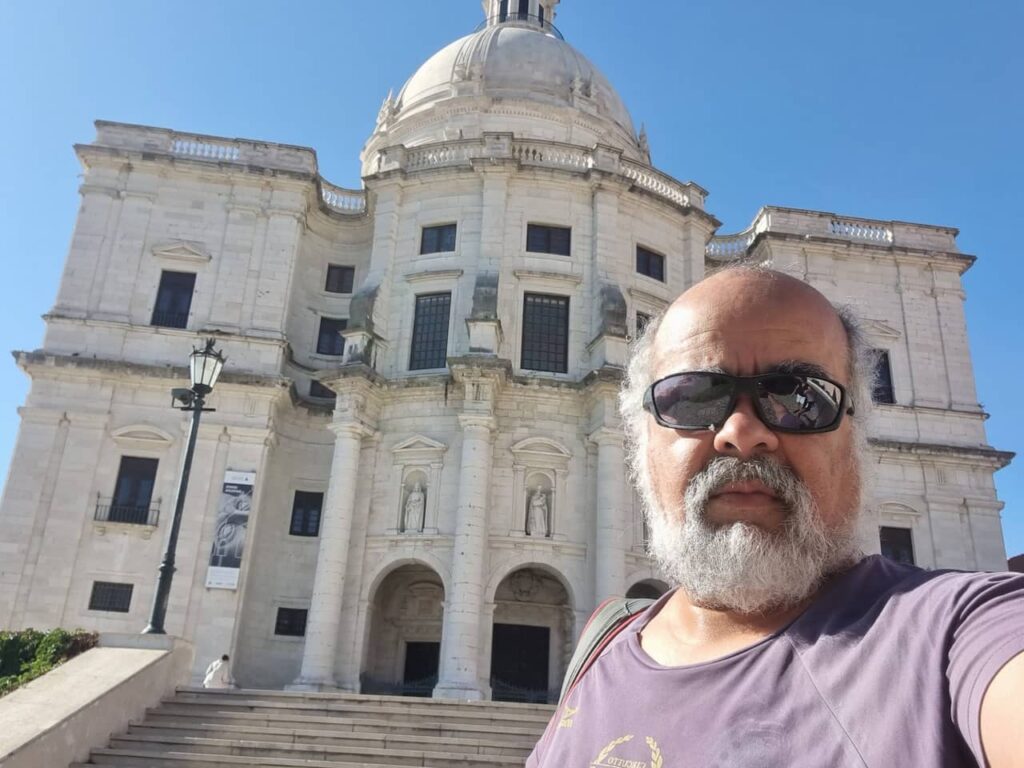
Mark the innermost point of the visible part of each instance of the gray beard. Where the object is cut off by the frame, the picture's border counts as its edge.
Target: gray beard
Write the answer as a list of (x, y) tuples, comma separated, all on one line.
[(739, 566)]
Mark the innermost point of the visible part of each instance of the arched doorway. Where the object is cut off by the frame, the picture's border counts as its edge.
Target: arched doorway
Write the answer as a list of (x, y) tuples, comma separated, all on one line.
[(405, 633), (650, 589), (532, 637)]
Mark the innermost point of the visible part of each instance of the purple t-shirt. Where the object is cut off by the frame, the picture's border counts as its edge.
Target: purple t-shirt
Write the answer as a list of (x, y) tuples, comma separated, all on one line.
[(886, 668)]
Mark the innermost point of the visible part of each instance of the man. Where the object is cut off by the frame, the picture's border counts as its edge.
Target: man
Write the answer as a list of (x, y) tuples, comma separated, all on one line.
[(218, 674), (783, 645)]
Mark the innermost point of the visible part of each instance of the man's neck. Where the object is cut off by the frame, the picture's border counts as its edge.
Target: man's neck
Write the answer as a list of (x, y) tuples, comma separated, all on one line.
[(685, 633)]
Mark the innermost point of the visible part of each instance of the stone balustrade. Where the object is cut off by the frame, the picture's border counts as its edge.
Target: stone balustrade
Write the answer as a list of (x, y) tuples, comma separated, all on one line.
[(207, 150), (729, 247), (859, 229), (650, 180), (545, 153), (341, 200)]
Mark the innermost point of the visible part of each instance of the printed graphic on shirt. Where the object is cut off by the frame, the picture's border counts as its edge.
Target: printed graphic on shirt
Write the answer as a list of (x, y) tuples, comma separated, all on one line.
[(567, 715), (621, 753)]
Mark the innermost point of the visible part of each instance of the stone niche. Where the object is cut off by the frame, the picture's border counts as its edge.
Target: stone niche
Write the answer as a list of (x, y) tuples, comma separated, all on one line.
[(539, 470), (415, 486)]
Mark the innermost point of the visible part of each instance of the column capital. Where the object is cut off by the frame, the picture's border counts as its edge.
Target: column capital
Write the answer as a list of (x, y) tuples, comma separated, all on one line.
[(606, 436), (478, 421)]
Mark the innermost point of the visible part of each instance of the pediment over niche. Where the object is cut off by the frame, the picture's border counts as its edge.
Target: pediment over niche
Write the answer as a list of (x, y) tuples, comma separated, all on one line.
[(418, 448), (182, 250), (541, 452), (897, 510), (142, 436), (876, 329)]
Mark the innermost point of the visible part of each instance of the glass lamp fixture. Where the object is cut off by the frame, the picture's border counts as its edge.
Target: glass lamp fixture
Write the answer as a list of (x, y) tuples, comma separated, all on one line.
[(205, 365)]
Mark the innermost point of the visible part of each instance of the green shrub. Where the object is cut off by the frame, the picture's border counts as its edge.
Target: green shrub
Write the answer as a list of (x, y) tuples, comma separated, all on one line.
[(29, 654)]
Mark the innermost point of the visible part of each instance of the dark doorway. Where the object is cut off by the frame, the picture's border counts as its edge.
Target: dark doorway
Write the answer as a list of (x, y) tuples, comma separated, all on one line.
[(420, 674), (519, 663)]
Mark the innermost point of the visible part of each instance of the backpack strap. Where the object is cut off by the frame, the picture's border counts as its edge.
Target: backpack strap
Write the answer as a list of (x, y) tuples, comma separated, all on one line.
[(611, 617)]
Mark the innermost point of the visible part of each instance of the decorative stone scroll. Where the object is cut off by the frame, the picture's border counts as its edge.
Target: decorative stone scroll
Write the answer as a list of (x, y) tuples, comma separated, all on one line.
[(416, 482), (539, 468)]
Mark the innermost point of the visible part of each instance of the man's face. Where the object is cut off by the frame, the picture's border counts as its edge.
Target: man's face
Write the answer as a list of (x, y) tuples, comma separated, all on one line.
[(807, 490)]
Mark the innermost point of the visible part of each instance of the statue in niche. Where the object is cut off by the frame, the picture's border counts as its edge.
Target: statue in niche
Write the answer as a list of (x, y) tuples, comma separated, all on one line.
[(537, 514), (415, 509)]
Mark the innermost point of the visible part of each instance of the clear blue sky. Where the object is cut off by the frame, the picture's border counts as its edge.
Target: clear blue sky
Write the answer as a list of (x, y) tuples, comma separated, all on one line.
[(890, 110)]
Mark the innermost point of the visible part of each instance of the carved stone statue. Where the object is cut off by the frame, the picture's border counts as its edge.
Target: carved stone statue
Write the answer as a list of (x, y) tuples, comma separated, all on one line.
[(537, 516), (644, 143), (388, 109), (414, 510)]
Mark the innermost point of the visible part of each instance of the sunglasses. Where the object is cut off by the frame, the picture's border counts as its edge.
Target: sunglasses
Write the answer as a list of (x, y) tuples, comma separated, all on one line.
[(785, 402)]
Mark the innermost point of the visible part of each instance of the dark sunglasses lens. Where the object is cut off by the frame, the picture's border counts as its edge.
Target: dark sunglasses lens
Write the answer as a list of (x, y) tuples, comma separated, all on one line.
[(799, 402), (692, 399)]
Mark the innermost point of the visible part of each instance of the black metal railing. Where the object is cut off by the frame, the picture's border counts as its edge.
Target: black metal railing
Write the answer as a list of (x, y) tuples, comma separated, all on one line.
[(423, 688), (530, 18), (170, 319), (110, 511), (503, 691)]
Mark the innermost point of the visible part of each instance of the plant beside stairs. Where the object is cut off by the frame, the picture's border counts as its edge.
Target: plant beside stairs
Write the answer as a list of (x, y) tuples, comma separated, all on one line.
[(29, 653)]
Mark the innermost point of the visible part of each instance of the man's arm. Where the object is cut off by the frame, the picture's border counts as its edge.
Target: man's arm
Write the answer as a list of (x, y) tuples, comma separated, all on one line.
[(1002, 728)]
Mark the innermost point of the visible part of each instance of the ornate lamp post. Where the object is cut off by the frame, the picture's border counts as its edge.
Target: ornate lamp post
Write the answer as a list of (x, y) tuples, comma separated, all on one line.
[(204, 367)]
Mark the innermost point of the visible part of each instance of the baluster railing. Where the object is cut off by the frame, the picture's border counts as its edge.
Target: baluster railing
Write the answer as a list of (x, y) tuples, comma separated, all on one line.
[(342, 200), (205, 149), (728, 247), (860, 230)]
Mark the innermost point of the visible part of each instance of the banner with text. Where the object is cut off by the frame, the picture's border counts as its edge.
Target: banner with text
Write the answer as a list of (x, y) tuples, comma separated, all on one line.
[(229, 534)]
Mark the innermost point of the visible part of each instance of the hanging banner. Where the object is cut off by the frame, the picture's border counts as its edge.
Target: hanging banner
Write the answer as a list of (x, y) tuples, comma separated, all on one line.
[(229, 533)]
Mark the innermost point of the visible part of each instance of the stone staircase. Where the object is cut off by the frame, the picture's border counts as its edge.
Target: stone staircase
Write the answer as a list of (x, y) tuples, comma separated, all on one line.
[(200, 728)]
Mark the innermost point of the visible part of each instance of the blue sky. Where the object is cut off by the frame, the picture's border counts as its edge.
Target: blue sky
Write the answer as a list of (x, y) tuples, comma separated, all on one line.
[(890, 110)]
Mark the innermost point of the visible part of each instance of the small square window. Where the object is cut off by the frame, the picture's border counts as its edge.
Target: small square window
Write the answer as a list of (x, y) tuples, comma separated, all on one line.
[(650, 263), (897, 544), (540, 238), (110, 596), (430, 332), (438, 239), (316, 389), (883, 390), (339, 279), (291, 622), (545, 333), (306, 510), (173, 299), (329, 340)]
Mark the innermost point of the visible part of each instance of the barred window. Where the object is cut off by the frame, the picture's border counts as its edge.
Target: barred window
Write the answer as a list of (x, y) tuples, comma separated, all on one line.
[(339, 279), (545, 333), (291, 622), (329, 340), (438, 239), (133, 491), (541, 238), (110, 596), (430, 332), (897, 544), (883, 391), (650, 263), (173, 299), (316, 389), (306, 510)]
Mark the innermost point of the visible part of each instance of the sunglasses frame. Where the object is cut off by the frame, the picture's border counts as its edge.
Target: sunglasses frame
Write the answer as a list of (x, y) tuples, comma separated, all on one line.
[(747, 385)]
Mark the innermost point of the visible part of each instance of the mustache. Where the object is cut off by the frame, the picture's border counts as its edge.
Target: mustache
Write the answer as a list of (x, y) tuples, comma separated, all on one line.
[(722, 470)]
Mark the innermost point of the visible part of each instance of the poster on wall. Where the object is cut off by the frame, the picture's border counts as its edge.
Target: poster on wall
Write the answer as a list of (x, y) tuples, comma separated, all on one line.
[(229, 534)]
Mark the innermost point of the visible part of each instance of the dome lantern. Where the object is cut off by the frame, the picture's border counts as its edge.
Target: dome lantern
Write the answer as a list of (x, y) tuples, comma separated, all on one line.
[(521, 13)]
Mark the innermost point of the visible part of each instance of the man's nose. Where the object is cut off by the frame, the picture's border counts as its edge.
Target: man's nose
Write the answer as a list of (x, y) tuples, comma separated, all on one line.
[(743, 434)]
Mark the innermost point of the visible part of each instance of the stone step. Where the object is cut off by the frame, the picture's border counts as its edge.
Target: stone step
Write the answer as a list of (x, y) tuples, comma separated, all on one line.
[(339, 724), (273, 750), (479, 745), (139, 758)]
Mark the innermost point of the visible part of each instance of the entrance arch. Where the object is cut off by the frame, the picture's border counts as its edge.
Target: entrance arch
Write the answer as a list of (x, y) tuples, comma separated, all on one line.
[(650, 589), (403, 649), (531, 637)]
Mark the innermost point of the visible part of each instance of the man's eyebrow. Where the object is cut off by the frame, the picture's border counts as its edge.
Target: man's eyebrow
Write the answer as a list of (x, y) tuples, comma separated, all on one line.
[(799, 367)]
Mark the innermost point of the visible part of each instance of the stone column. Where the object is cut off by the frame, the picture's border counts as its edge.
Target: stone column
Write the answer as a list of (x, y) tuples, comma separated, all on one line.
[(320, 650), (609, 555)]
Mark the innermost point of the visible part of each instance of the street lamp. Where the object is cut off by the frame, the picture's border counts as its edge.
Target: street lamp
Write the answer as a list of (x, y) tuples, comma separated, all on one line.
[(204, 367)]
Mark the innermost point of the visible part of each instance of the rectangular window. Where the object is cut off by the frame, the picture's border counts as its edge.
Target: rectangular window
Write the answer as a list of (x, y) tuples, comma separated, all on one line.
[(430, 332), (897, 544), (339, 279), (173, 299), (642, 321), (306, 509), (540, 13), (316, 389), (291, 622), (541, 238), (524, 9), (545, 333), (133, 491), (329, 340), (439, 239), (110, 596), (650, 263), (882, 392), (503, 11)]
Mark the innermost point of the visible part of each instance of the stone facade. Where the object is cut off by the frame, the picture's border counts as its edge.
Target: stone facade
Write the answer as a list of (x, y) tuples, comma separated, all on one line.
[(474, 140)]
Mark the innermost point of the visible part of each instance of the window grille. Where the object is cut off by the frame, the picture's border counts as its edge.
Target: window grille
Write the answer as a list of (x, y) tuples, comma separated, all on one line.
[(882, 392), (329, 340), (897, 544), (110, 596), (339, 279), (291, 622), (306, 510), (650, 263), (430, 332), (316, 389), (545, 333), (541, 238), (173, 299), (438, 239)]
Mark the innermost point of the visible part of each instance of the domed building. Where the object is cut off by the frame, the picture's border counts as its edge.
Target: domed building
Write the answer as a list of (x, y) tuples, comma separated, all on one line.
[(414, 479)]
